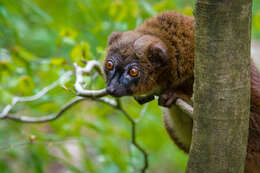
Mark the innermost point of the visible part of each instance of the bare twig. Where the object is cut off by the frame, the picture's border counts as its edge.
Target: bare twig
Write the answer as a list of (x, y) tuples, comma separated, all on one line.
[(90, 66), (108, 101), (133, 132), (15, 100), (46, 118)]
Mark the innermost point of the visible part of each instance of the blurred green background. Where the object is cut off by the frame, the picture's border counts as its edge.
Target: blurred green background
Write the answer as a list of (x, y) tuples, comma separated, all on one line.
[(39, 41)]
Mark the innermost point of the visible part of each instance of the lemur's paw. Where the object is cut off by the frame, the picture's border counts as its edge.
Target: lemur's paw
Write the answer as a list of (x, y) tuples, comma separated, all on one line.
[(168, 98), (143, 100)]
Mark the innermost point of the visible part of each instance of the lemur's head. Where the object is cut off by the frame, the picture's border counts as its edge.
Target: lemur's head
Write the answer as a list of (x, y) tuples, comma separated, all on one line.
[(132, 63)]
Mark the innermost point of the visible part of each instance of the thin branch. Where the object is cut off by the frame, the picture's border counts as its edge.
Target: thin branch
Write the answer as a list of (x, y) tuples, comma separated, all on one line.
[(133, 138), (108, 101), (16, 100), (46, 118), (185, 107)]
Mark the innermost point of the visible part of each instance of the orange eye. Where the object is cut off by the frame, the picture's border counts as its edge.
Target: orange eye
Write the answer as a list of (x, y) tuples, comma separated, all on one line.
[(109, 65), (133, 72)]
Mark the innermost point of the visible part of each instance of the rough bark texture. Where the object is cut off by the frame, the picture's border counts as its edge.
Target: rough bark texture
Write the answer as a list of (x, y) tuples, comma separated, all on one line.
[(221, 87)]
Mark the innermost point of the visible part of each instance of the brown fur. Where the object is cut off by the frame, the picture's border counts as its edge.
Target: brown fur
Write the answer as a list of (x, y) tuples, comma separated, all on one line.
[(176, 31), (253, 149), (164, 48)]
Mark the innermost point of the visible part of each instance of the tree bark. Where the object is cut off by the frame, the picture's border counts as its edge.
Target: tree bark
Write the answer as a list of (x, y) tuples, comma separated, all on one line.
[(221, 87)]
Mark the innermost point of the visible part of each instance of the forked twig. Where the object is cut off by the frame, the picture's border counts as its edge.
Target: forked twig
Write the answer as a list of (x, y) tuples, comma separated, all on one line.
[(15, 100), (80, 71)]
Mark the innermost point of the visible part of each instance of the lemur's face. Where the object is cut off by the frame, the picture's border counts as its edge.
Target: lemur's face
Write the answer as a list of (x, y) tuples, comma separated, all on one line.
[(123, 74), (128, 69)]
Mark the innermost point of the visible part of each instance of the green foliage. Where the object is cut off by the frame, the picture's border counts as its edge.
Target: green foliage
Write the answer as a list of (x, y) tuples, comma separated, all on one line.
[(39, 41)]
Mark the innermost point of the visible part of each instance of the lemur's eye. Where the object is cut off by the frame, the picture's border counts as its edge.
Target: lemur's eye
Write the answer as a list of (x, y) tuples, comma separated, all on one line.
[(133, 72), (109, 65)]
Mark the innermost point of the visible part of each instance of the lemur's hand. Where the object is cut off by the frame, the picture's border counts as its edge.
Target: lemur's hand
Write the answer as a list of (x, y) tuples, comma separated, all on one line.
[(168, 98), (145, 99)]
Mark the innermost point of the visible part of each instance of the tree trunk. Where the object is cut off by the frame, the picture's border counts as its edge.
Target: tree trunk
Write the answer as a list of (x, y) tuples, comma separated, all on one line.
[(221, 87)]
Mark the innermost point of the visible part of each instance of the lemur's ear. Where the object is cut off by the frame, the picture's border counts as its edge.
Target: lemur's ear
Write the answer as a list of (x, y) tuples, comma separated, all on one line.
[(151, 47), (113, 36), (157, 51)]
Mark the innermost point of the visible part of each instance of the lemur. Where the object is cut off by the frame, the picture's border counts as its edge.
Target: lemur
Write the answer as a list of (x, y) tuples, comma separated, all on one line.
[(157, 58)]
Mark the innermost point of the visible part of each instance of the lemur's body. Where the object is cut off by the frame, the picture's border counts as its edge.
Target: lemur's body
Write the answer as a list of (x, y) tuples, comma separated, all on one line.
[(158, 59)]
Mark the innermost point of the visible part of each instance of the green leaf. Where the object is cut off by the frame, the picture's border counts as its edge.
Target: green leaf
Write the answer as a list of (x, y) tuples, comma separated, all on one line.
[(80, 51), (256, 20), (25, 86), (59, 61)]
